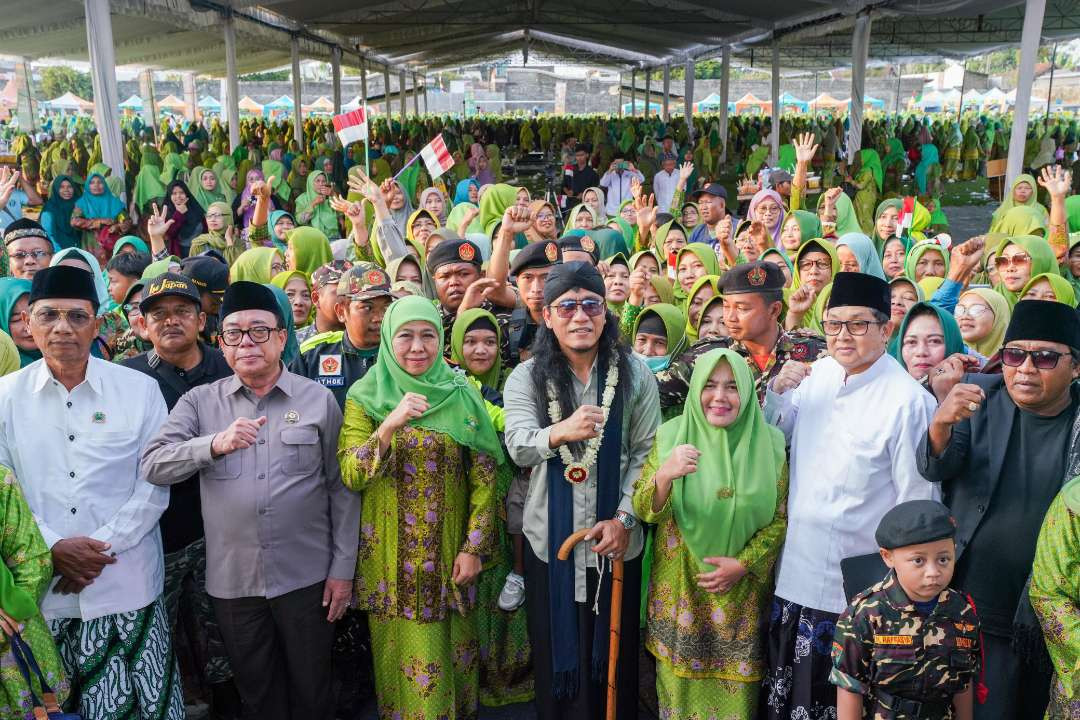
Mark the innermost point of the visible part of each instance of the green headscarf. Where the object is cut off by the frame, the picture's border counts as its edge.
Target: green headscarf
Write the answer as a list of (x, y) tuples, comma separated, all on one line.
[(457, 214), (846, 220), (323, 217), (10, 361), (254, 265), (661, 236), (815, 245), (610, 242), (742, 461), (674, 326), (462, 325), (11, 289), (426, 284), (954, 343), (1043, 260), (133, 241), (281, 182), (917, 251), (1072, 212), (159, 267), (310, 249), (633, 261), (872, 161), (1023, 220), (809, 225), (880, 242), (990, 344), (282, 279), (692, 323), (17, 602), (662, 286), (1063, 290), (493, 204), (276, 215), (455, 406), (206, 197), (702, 252), (1008, 203)]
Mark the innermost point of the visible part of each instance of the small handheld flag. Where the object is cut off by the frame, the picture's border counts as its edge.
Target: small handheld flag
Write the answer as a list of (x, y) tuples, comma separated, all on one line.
[(436, 157), (351, 126)]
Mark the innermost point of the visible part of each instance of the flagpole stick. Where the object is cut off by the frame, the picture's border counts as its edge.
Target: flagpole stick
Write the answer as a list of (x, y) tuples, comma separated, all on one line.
[(406, 165), (367, 145)]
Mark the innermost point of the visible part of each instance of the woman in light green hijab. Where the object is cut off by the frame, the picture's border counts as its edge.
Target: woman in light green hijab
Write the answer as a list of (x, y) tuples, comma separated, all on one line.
[(219, 234), (259, 265), (1049, 286), (660, 334), (1015, 275), (308, 250), (932, 266), (1023, 192), (704, 289), (715, 485), (846, 220), (1023, 220), (477, 319), (983, 315), (313, 207), (429, 504)]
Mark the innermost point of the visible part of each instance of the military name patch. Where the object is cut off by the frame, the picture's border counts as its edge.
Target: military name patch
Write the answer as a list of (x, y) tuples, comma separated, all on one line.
[(965, 643), (902, 640)]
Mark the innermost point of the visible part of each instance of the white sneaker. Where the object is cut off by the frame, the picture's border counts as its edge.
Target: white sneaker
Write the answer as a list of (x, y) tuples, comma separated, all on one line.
[(513, 593)]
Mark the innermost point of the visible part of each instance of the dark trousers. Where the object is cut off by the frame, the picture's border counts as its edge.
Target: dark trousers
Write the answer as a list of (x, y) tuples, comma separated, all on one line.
[(590, 701), (279, 650), (1018, 691)]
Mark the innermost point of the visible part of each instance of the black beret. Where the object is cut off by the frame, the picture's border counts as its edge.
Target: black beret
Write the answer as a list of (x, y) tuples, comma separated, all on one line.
[(450, 251), (914, 522), (247, 295), (64, 282), (860, 290), (24, 228), (572, 276), (580, 243), (535, 255), (1044, 320), (753, 277)]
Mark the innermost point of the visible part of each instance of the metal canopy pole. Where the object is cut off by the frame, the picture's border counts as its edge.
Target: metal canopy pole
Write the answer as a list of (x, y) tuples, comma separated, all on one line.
[(363, 85), (386, 91), (24, 97), (232, 84), (648, 91), (415, 97), (425, 96), (667, 91), (774, 136), (633, 93), (688, 102), (298, 115), (963, 87), (725, 93), (1050, 87), (1034, 11), (860, 48), (99, 39), (401, 98), (899, 77), (335, 70)]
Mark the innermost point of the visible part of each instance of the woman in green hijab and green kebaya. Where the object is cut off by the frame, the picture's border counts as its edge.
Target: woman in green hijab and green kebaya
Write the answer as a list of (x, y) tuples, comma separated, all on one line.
[(421, 449), (715, 485)]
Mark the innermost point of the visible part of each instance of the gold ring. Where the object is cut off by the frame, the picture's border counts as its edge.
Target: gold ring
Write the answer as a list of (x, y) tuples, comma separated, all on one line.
[(973, 406)]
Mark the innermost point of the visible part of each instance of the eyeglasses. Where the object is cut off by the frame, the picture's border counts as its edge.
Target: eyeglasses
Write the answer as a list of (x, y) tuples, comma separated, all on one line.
[(545, 216), (214, 216), (277, 267), (819, 264), (855, 327), (1016, 260), (50, 316), (1041, 359), (971, 311), (182, 313), (568, 308), (258, 334), (21, 255)]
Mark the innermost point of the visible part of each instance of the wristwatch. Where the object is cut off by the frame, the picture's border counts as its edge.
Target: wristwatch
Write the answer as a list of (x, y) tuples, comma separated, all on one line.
[(628, 521)]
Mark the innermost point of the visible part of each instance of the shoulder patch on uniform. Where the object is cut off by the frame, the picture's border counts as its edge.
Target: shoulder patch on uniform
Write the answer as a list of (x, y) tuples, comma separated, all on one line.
[(326, 338)]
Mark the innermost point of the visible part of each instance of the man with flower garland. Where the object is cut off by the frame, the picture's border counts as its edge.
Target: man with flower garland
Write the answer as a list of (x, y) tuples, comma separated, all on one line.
[(582, 413)]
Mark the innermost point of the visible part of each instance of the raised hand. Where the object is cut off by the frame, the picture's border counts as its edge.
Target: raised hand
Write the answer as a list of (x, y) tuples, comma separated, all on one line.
[(516, 220), (790, 376), (646, 210), (1056, 179), (9, 180), (685, 171), (805, 148), (241, 434), (156, 224), (802, 299), (682, 461), (636, 189)]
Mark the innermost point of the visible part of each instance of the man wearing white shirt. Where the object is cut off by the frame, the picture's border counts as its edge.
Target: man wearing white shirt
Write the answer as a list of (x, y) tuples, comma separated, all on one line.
[(665, 182), (617, 181), (73, 428), (853, 424)]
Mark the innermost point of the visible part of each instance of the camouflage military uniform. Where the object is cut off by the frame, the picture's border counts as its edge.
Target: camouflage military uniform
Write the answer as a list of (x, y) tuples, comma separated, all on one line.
[(907, 665), (674, 382)]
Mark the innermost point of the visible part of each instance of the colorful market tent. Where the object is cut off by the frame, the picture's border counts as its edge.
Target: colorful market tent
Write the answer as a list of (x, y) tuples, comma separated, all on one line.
[(322, 106), (173, 104), (873, 103), (639, 106), (70, 102), (749, 104), (711, 103), (249, 107), (132, 103), (825, 101), (209, 104), (792, 103)]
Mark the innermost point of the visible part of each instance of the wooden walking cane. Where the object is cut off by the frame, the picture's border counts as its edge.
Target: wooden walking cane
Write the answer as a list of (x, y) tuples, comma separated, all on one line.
[(616, 615)]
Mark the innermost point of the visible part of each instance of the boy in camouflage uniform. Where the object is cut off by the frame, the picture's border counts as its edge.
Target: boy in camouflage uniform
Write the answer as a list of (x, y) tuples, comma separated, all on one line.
[(908, 647)]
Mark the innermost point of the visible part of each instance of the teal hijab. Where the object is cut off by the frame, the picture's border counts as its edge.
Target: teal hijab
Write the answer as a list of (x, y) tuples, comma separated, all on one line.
[(863, 249), (954, 342), (292, 347), (133, 241), (11, 289), (100, 284), (102, 205), (281, 243)]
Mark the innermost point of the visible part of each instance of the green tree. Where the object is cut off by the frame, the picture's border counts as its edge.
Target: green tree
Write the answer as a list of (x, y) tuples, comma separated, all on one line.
[(58, 79), (271, 76)]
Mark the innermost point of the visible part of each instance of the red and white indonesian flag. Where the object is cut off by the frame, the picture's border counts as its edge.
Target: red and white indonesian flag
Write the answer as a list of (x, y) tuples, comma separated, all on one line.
[(907, 214), (351, 126), (436, 157)]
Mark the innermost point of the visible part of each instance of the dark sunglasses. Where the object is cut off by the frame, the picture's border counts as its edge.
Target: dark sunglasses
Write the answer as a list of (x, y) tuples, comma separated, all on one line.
[(568, 308), (1041, 359)]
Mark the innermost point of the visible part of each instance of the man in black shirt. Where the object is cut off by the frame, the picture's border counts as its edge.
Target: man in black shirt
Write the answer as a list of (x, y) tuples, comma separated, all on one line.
[(172, 317), (998, 444), (582, 177)]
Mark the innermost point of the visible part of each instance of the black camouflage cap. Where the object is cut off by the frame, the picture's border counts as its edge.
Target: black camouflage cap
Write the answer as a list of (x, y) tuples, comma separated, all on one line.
[(753, 277), (914, 522)]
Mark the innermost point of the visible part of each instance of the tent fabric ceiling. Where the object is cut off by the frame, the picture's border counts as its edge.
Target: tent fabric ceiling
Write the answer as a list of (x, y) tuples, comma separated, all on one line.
[(420, 35)]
